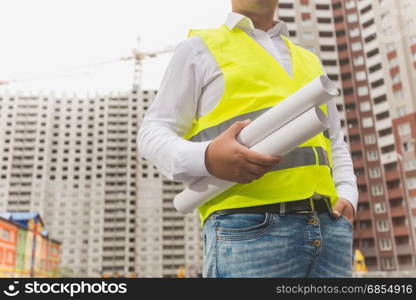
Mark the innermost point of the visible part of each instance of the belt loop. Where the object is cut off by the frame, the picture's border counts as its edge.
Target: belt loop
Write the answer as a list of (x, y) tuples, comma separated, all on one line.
[(329, 207), (282, 208), (312, 204)]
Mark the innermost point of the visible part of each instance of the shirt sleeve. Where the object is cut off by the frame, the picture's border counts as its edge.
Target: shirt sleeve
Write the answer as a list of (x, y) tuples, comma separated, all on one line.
[(343, 171), (170, 116)]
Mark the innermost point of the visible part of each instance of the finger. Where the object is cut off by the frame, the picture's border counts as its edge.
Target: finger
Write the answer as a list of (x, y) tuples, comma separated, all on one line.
[(348, 212), (260, 159), (338, 209), (244, 179), (256, 170), (235, 128)]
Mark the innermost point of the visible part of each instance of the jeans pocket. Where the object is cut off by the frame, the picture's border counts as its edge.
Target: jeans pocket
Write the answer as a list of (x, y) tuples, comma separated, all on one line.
[(345, 220), (242, 226)]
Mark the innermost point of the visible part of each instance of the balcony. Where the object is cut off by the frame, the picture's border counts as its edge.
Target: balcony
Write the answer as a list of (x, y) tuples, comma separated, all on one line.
[(364, 215), (392, 175), (354, 130), (351, 114), (383, 124), (358, 163), (407, 266), (116, 244), (174, 243), (174, 251), (398, 211), (364, 197), (174, 261), (355, 146), (412, 193), (368, 251), (174, 223), (363, 233), (395, 193), (388, 157), (400, 230), (404, 249), (361, 180), (386, 140), (345, 69), (349, 99)]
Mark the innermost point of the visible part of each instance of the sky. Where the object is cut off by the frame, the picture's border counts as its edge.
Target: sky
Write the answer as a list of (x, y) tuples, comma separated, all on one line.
[(51, 44)]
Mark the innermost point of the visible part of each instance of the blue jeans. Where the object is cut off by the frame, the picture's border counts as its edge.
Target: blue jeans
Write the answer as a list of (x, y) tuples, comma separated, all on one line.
[(277, 245)]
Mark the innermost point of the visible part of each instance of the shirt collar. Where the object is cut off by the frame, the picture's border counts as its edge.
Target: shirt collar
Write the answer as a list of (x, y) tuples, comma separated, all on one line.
[(243, 22)]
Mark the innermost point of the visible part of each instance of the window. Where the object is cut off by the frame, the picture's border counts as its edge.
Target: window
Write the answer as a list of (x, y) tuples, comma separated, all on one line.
[(379, 208), (350, 4), (375, 172), (385, 18), (388, 31), (373, 52), (411, 24), (358, 60), (370, 139), (410, 165), (352, 18), (408, 147), (382, 226), (356, 46), (385, 245), (307, 22), (362, 91), (390, 47), (375, 68), (411, 183), (398, 95), (372, 155), (393, 62), (387, 262), (354, 32), (412, 40), (5, 235), (404, 129), (308, 36), (367, 122), (365, 106), (360, 76), (377, 190), (396, 79)]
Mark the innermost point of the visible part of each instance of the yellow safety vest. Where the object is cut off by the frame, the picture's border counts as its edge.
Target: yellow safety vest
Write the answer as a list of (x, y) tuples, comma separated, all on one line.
[(254, 82)]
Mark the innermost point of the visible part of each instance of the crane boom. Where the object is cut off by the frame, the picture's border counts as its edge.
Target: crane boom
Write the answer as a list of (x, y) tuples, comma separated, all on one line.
[(137, 55)]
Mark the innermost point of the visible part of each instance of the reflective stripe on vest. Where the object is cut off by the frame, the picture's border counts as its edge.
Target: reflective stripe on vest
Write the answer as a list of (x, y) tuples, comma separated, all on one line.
[(253, 83), (303, 156), (212, 132)]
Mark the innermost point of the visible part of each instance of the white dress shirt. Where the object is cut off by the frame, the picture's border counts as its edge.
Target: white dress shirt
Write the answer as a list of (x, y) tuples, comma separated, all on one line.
[(192, 86)]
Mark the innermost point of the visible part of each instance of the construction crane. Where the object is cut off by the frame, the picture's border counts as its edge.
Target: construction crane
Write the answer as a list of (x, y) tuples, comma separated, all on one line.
[(137, 56)]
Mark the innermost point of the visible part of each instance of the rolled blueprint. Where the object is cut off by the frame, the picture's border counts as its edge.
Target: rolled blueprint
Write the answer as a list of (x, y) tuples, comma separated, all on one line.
[(280, 142), (315, 93)]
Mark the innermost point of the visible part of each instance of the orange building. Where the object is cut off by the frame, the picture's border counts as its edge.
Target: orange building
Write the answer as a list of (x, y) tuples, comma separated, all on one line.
[(25, 248), (8, 234)]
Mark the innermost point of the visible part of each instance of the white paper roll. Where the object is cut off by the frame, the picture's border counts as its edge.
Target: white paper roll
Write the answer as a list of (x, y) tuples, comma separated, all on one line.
[(315, 93), (280, 142)]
